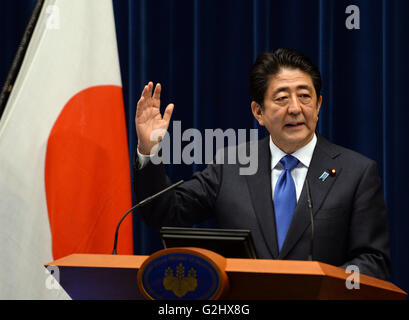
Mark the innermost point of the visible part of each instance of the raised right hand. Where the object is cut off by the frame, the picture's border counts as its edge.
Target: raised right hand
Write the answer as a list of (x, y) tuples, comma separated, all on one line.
[(150, 125)]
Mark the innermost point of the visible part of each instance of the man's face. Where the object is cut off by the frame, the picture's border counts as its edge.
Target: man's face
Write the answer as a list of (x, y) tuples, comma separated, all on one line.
[(291, 109)]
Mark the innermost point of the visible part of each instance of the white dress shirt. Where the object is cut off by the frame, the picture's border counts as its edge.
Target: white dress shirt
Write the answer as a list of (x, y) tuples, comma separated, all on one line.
[(299, 173)]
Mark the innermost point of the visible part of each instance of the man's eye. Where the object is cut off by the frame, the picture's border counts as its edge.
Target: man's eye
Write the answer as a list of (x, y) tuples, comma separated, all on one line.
[(304, 95), (281, 99)]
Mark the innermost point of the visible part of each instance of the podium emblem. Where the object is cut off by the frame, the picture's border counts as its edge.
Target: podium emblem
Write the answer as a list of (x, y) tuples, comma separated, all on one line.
[(180, 274)]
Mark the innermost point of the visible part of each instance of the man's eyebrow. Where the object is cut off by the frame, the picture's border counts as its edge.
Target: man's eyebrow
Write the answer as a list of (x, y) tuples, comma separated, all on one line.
[(287, 89), (304, 86), (281, 89)]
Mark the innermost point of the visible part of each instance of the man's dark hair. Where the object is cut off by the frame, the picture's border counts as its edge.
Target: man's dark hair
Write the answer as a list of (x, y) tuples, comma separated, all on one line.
[(268, 64)]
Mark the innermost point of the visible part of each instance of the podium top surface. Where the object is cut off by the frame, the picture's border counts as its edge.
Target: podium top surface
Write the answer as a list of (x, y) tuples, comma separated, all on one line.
[(100, 261), (232, 265)]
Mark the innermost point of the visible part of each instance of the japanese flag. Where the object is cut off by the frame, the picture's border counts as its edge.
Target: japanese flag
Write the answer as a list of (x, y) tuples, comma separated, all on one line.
[(64, 163)]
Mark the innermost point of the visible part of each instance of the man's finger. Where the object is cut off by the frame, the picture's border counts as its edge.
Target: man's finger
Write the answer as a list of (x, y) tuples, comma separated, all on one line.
[(144, 92), (147, 91), (150, 88), (168, 112), (140, 105), (156, 94)]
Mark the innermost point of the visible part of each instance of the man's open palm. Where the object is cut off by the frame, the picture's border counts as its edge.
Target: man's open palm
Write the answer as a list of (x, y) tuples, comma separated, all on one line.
[(150, 125)]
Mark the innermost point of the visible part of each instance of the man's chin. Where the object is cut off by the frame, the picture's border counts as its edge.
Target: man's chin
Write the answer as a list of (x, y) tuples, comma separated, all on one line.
[(295, 142), (297, 136)]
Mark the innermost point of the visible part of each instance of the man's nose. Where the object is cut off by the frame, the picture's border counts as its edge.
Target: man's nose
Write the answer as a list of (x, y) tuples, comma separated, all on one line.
[(294, 106)]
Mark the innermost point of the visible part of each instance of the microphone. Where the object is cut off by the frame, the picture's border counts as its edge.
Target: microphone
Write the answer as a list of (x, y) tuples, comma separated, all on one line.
[(143, 202), (312, 219)]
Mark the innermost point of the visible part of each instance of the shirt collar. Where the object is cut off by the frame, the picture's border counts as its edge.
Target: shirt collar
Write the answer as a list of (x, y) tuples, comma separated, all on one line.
[(304, 154)]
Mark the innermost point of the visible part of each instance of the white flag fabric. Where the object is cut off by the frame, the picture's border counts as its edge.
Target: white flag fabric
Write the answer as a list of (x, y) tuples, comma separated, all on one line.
[(64, 162)]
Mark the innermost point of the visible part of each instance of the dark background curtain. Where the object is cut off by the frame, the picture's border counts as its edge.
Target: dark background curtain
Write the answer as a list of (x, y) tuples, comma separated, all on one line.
[(201, 51)]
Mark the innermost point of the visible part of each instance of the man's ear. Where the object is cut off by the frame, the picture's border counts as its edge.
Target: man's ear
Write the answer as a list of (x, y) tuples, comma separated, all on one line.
[(257, 112), (319, 102)]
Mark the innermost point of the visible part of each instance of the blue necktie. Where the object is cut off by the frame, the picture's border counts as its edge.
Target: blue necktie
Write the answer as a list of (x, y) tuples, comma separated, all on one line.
[(285, 198)]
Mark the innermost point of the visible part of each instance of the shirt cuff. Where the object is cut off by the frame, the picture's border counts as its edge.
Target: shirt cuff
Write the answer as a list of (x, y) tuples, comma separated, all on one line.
[(143, 160)]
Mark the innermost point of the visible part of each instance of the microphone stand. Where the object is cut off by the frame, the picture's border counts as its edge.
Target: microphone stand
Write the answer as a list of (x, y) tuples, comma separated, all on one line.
[(143, 202)]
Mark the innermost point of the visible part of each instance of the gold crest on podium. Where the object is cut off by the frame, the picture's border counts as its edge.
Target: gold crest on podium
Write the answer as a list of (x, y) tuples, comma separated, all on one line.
[(180, 284)]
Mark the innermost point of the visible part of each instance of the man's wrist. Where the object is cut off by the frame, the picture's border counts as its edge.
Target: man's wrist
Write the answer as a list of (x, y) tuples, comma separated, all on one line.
[(142, 159)]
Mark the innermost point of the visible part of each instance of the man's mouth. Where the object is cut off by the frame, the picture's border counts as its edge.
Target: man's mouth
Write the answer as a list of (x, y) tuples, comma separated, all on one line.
[(294, 124)]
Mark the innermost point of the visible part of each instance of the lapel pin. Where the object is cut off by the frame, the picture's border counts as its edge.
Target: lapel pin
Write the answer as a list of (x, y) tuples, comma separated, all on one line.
[(324, 176)]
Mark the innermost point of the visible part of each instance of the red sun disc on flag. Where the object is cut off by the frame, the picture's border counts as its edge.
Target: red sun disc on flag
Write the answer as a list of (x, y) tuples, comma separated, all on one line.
[(87, 174)]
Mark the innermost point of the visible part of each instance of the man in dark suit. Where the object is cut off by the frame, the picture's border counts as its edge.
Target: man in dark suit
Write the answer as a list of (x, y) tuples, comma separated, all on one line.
[(349, 214)]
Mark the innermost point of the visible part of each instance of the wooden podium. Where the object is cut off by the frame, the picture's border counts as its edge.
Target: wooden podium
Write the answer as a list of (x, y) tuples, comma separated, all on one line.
[(97, 276)]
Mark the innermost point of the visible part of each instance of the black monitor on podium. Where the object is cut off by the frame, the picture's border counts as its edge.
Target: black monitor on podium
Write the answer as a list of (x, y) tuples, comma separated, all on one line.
[(230, 243)]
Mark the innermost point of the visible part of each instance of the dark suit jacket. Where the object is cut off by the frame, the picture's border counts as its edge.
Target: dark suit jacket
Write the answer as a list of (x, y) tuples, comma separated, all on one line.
[(350, 221)]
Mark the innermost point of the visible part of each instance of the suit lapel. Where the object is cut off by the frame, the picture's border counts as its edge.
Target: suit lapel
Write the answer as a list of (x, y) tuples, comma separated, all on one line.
[(259, 186), (323, 159)]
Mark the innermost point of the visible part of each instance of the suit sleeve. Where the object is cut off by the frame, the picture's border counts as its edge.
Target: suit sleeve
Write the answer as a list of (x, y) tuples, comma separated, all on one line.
[(190, 203), (368, 247)]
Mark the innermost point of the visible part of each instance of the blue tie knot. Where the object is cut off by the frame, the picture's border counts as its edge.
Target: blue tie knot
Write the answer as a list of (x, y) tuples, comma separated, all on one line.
[(289, 162)]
